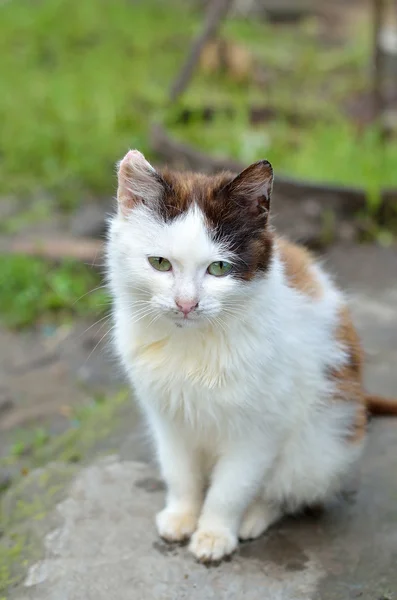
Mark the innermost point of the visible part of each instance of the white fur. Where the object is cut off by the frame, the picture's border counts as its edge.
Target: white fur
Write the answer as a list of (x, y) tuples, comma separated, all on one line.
[(236, 394)]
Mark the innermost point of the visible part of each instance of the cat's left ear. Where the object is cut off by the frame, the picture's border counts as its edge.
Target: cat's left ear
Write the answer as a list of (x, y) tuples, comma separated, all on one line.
[(252, 189), (138, 182)]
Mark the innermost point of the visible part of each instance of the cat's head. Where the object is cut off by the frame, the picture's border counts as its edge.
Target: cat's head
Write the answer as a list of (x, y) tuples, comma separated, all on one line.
[(186, 246)]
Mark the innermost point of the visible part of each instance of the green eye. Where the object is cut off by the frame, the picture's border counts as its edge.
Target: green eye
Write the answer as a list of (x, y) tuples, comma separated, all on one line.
[(219, 268), (159, 263)]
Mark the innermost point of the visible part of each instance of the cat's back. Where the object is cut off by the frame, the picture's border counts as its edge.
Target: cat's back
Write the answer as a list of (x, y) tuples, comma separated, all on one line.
[(300, 269), (304, 274), (308, 291), (317, 322)]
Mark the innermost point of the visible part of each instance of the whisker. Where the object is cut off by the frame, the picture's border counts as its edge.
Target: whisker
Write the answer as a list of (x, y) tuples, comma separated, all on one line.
[(100, 287), (142, 310), (97, 344), (93, 325), (154, 320), (221, 323), (140, 318), (146, 312)]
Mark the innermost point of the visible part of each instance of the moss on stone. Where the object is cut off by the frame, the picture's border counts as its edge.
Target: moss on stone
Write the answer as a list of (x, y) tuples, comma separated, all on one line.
[(25, 508), (22, 511), (93, 425)]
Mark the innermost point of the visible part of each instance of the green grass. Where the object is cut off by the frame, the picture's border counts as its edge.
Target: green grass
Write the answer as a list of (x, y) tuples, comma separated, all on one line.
[(323, 152), (24, 444), (87, 425), (33, 288), (82, 80), (33, 496)]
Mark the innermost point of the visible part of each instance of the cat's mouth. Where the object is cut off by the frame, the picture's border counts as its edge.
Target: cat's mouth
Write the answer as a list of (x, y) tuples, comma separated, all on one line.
[(186, 320)]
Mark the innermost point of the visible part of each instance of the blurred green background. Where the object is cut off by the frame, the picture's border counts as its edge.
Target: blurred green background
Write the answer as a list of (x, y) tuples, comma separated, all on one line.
[(82, 80)]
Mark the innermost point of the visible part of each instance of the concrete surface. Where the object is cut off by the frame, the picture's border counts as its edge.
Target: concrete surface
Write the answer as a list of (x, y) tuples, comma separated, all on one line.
[(105, 547), (368, 275), (102, 542), (48, 371)]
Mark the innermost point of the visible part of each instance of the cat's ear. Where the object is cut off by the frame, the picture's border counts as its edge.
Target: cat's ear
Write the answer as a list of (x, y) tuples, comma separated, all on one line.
[(137, 182), (252, 188)]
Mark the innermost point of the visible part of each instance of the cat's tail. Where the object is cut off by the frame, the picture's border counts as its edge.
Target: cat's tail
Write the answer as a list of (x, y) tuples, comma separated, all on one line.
[(378, 405)]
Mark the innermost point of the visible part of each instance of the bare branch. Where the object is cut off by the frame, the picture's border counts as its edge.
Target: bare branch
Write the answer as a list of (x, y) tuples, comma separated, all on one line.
[(217, 11), (378, 103), (81, 249)]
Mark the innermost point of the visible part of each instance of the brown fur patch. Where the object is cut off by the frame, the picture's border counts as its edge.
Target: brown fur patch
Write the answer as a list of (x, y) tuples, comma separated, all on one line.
[(233, 218), (349, 377), (297, 263)]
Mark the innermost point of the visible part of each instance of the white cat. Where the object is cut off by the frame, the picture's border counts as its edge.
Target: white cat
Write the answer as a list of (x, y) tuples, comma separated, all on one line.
[(240, 350)]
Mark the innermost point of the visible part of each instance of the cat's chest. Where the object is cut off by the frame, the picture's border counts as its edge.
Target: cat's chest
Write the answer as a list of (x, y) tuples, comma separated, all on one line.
[(207, 363), (201, 362)]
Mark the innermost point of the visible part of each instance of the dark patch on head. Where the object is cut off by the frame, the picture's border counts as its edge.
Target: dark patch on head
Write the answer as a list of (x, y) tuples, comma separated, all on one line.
[(150, 484), (235, 209), (276, 549)]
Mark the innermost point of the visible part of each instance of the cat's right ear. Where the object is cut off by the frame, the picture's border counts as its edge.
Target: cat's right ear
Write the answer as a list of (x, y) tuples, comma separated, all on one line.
[(138, 182)]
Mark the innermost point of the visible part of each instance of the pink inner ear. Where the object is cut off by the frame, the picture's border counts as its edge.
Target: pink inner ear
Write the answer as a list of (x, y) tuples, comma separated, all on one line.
[(126, 204), (138, 182), (126, 199)]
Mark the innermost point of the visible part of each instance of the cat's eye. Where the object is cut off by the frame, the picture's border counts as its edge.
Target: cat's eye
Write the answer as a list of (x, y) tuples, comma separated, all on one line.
[(159, 263), (219, 268)]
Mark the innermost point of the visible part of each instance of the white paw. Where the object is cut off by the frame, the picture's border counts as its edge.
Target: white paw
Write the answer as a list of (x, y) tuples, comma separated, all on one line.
[(176, 526), (212, 545), (257, 519)]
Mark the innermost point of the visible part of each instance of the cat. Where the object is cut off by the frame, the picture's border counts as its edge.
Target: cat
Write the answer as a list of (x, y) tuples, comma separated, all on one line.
[(240, 349)]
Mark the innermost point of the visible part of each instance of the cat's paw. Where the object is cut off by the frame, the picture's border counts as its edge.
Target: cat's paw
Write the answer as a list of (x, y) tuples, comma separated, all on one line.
[(212, 545), (257, 519), (176, 526)]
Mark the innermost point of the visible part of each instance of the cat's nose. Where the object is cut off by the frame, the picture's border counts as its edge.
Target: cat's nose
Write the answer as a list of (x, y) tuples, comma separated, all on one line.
[(186, 306)]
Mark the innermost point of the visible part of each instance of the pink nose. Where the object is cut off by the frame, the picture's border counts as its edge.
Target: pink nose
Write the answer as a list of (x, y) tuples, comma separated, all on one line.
[(186, 306)]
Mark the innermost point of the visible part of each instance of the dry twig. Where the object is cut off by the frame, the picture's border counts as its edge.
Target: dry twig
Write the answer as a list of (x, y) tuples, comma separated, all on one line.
[(378, 102), (81, 249), (217, 11)]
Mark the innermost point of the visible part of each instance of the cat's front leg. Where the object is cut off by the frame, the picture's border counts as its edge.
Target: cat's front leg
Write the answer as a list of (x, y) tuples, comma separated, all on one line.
[(182, 472), (237, 478)]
